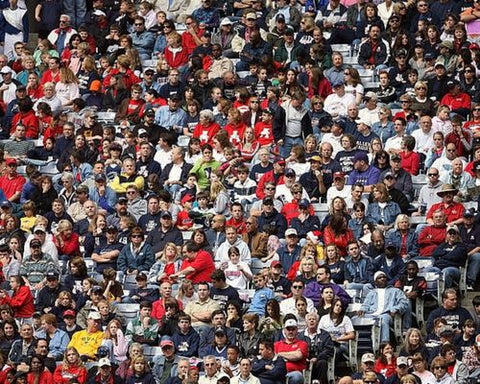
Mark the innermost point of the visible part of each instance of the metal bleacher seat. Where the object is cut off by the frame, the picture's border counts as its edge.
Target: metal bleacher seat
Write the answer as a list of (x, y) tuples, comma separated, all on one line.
[(149, 352), (149, 63), (106, 117), (344, 49), (187, 235), (128, 311)]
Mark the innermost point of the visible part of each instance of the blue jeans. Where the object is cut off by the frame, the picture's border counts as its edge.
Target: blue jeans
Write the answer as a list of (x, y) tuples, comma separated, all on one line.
[(77, 10), (450, 274), (288, 144), (473, 268), (173, 189), (295, 377), (384, 320)]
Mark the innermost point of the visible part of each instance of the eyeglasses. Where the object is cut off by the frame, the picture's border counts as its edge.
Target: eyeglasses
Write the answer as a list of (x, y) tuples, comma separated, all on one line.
[(347, 73), (250, 19), (439, 367), (270, 189), (131, 192), (432, 174), (318, 103), (254, 101), (297, 286), (476, 109), (138, 24), (297, 192), (209, 364), (419, 88), (190, 23)]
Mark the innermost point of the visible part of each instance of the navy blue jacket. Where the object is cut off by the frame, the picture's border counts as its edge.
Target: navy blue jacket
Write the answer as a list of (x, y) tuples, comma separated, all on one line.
[(276, 375), (186, 344), (394, 271)]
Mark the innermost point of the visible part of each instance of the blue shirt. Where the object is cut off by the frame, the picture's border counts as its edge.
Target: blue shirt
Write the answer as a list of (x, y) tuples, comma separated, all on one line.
[(167, 118)]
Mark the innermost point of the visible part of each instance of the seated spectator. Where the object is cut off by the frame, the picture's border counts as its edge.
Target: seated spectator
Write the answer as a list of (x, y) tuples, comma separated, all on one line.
[(58, 339), (137, 256), (186, 340), (395, 303), (294, 351), (382, 211), (87, 341)]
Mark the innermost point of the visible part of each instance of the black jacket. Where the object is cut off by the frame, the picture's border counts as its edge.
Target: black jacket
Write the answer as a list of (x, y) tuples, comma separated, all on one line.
[(183, 176), (280, 124), (276, 375)]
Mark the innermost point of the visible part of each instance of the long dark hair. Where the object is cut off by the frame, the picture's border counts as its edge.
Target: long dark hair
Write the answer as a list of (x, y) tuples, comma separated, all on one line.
[(339, 320), (276, 310)]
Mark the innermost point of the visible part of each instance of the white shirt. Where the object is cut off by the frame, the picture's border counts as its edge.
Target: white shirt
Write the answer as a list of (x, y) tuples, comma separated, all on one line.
[(423, 141), (394, 142), (334, 192), (288, 306), (336, 105)]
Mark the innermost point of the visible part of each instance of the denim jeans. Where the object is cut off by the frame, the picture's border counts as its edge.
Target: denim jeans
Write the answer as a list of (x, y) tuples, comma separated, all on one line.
[(76, 9), (295, 377), (288, 144), (473, 268), (450, 274)]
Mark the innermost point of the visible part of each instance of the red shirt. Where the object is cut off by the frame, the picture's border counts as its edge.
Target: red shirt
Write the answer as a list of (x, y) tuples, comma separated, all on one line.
[(340, 241), (183, 220), (206, 134), (462, 100), (454, 138), (453, 212), (297, 345), (235, 132), (430, 238), (188, 42), (203, 265), (12, 185), (158, 308), (410, 162), (264, 133), (30, 120), (239, 224)]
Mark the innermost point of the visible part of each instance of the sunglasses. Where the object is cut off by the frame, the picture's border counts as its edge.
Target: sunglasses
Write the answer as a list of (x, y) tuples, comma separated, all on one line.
[(439, 367), (136, 236), (432, 174), (297, 286)]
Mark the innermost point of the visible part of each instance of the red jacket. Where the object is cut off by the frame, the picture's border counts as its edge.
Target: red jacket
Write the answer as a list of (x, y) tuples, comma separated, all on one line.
[(204, 266), (410, 162), (158, 308), (430, 238), (29, 120), (70, 247), (264, 133), (177, 59), (45, 378), (454, 138), (129, 78), (21, 302), (267, 177), (188, 42), (340, 241), (80, 373), (239, 224), (462, 100)]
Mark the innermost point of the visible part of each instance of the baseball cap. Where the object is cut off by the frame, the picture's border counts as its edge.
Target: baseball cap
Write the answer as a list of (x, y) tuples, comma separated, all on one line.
[(291, 232), (453, 228), (94, 315), (166, 214), (141, 276), (402, 360), (337, 83), (11, 161), (69, 313), (316, 158), (338, 175), (363, 121), (6, 69), (112, 228), (166, 342), (275, 263), (104, 362), (149, 112), (100, 177), (368, 357), (188, 197), (267, 201), (98, 12), (303, 203), (469, 212), (52, 275), (439, 65), (220, 330), (291, 323), (6, 203), (429, 56), (388, 174), (279, 160), (290, 172), (39, 228), (251, 15), (280, 18), (225, 21), (371, 95), (360, 156), (341, 123), (122, 200), (141, 132)]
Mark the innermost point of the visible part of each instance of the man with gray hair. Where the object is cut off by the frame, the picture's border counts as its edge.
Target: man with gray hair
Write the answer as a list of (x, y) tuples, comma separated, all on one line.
[(212, 371)]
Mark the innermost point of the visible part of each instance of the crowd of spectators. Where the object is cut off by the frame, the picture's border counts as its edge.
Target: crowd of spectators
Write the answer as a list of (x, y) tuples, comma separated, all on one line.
[(178, 156)]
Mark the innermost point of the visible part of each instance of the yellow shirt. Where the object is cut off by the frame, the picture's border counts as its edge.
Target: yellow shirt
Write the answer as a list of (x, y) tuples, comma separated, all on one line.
[(86, 343)]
